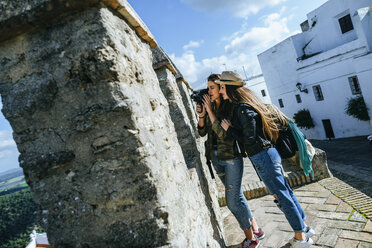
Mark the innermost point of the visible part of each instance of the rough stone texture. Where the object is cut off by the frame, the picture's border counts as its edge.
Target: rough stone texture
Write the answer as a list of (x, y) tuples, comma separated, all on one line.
[(20, 16), (319, 164), (97, 144), (190, 143)]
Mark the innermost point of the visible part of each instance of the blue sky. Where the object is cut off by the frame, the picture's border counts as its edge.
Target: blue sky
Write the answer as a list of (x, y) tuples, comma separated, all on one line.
[(204, 36)]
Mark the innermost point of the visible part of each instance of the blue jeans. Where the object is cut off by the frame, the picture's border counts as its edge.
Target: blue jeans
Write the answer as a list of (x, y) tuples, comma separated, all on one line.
[(268, 165), (231, 173)]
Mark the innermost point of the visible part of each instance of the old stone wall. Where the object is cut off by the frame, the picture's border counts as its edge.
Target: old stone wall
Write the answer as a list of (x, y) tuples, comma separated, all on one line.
[(184, 119), (101, 146)]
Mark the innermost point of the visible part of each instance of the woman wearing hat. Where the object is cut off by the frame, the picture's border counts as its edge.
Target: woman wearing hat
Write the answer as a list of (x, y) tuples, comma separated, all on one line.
[(254, 128), (222, 150)]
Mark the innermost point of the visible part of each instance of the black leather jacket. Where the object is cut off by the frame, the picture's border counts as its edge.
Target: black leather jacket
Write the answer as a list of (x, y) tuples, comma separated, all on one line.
[(247, 130)]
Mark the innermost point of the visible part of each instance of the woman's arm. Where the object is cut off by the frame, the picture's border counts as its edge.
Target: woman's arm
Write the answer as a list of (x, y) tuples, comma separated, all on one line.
[(202, 128)]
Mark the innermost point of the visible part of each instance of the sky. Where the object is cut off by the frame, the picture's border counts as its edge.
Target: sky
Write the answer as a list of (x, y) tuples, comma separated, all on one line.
[(204, 37)]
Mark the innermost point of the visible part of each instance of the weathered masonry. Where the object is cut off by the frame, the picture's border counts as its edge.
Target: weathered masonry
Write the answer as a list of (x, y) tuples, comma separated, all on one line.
[(105, 127)]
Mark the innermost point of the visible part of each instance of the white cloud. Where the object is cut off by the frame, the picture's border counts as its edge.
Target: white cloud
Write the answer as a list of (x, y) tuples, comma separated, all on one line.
[(240, 8), (6, 140), (241, 50), (8, 151), (257, 39), (193, 44), (196, 72)]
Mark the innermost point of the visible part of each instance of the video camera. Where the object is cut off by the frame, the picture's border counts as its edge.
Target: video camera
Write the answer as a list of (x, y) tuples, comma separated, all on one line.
[(197, 96)]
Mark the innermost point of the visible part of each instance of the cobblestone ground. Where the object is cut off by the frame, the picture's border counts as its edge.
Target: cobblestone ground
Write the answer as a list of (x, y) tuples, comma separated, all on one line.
[(350, 160), (336, 224)]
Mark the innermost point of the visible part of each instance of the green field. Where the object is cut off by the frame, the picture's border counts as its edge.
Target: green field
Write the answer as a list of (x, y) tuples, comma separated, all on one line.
[(12, 182), (14, 179)]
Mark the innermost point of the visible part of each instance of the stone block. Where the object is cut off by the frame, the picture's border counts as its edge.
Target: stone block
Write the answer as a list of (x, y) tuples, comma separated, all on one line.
[(344, 207), (345, 225), (320, 166), (368, 227), (322, 207), (361, 236), (333, 215), (343, 243), (333, 200), (365, 245), (358, 217), (329, 237)]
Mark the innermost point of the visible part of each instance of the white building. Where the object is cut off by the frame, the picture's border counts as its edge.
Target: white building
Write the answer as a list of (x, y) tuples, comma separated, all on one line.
[(332, 60), (258, 86)]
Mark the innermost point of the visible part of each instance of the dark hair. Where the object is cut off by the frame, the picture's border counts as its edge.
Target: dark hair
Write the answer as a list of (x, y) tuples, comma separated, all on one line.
[(214, 77), (225, 109)]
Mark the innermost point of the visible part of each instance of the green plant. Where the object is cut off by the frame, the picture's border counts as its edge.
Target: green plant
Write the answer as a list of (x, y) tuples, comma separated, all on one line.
[(357, 108), (303, 119)]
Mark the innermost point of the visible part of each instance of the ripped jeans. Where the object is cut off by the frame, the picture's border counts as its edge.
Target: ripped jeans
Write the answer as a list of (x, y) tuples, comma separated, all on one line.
[(268, 165), (231, 173)]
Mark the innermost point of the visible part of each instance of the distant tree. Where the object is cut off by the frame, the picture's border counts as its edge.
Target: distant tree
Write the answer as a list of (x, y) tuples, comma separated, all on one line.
[(357, 108), (303, 119), (17, 219)]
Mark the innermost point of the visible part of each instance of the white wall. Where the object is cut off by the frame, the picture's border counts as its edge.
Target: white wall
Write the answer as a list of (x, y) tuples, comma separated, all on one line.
[(363, 67), (333, 76), (257, 84), (278, 65), (327, 32), (341, 56)]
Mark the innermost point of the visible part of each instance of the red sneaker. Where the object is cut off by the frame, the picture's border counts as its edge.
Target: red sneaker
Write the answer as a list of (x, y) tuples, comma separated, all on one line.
[(247, 243), (260, 234)]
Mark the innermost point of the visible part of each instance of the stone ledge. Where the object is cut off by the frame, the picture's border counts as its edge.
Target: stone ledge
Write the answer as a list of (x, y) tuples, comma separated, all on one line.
[(124, 8), (258, 189), (161, 59), (19, 16)]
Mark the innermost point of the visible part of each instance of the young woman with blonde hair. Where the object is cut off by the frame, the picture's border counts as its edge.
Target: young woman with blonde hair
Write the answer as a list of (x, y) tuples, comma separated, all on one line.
[(254, 126)]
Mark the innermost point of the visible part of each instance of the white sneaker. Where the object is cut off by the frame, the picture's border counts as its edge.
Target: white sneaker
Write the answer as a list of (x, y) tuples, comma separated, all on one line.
[(302, 243), (309, 232)]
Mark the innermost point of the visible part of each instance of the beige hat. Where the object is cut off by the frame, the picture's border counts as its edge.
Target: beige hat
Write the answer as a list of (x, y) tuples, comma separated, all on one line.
[(230, 78)]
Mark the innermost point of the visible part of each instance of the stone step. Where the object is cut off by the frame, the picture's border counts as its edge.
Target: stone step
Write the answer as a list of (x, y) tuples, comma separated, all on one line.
[(353, 197), (258, 189)]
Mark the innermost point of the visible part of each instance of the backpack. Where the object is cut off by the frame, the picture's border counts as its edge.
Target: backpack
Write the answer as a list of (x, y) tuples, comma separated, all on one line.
[(291, 140), (286, 143)]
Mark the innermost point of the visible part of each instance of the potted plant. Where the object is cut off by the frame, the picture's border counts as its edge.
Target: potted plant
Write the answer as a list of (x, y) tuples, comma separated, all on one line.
[(357, 108), (303, 119)]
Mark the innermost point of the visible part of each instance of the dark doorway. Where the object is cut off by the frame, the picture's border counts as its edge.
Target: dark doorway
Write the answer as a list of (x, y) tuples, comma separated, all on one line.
[(328, 129)]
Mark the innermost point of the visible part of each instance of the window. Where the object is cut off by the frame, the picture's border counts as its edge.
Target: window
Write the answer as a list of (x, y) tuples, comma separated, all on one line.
[(281, 103), (318, 93), (346, 24), (354, 85), (298, 98), (263, 92)]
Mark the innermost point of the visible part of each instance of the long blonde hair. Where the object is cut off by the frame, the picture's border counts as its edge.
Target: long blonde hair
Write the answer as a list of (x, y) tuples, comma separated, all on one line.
[(238, 94)]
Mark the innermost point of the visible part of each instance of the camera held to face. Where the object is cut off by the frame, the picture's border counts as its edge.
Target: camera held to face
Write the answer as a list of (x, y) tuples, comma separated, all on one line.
[(197, 96)]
